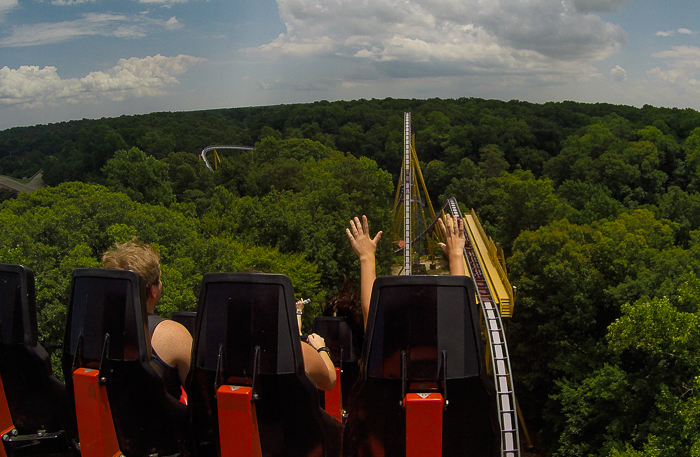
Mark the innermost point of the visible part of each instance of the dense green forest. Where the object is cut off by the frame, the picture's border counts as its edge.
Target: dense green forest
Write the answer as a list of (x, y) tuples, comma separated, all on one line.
[(597, 207)]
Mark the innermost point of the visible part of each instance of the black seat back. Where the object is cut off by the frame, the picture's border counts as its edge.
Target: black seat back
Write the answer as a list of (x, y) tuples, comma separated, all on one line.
[(341, 340), (107, 329), (241, 315), (338, 336), (186, 318), (37, 401), (432, 324)]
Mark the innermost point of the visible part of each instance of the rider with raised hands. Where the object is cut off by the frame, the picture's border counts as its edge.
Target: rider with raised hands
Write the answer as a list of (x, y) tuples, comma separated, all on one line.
[(365, 247), (455, 240)]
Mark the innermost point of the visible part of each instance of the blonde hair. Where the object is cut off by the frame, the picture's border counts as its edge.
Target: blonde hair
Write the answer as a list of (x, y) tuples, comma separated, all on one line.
[(136, 256)]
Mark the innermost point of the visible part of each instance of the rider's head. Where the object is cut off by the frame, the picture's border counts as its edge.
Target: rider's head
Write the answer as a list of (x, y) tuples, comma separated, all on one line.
[(140, 258)]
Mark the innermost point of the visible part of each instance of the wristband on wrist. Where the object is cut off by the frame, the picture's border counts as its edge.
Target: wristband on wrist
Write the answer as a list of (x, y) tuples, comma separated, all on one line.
[(324, 349), (298, 312)]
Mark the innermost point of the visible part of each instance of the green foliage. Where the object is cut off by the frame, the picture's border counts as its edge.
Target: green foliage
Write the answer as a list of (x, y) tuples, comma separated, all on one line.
[(597, 411), (588, 202), (507, 204), (573, 281), (56, 230), (191, 181), (143, 178), (647, 403), (301, 201), (597, 207)]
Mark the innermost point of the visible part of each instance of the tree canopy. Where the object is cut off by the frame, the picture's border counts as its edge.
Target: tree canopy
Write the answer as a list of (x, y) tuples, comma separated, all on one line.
[(597, 207)]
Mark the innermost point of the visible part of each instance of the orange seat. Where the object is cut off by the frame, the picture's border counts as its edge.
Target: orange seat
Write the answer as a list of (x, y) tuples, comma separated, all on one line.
[(107, 333), (246, 342)]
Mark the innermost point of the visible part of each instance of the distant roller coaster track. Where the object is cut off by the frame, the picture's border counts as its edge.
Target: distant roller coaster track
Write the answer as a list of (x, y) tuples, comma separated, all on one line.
[(204, 152)]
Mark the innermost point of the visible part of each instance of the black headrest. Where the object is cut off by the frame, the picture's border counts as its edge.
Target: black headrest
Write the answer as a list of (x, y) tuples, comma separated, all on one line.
[(423, 316), (239, 311), (338, 336), (186, 318), (17, 306), (107, 301)]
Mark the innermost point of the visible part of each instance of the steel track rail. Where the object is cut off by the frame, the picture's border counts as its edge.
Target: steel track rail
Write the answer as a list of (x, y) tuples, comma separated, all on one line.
[(500, 361), (407, 193)]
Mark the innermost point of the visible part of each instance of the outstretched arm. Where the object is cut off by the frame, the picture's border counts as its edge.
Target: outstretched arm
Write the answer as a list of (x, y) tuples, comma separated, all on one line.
[(318, 364), (300, 309), (365, 247), (455, 240)]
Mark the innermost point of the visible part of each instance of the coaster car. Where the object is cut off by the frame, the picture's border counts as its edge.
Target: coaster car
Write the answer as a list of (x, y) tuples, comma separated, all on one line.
[(247, 389), (120, 398), (36, 418), (423, 388)]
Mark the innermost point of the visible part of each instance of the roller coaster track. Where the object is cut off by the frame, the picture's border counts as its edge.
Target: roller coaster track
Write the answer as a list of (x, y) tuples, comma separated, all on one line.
[(500, 361), (486, 268), (203, 154)]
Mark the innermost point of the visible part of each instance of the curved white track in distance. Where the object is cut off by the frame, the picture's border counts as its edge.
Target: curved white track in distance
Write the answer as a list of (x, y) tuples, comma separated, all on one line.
[(203, 154)]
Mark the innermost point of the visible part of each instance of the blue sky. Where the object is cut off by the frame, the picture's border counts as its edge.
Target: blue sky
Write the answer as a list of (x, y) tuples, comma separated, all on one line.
[(74, 59)]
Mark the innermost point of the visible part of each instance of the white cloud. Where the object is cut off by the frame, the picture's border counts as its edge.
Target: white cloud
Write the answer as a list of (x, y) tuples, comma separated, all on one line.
[(682, 68), (6, 6), (301, 47), (450, 37), (31, 86), (70, 2), (166, 3), (618, 73), (682, 31), (173, 24), (102, 24)]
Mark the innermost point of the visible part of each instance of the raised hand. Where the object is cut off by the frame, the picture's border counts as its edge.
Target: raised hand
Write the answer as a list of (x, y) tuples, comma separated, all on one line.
[(455, 240), (364, 246), (360, 240)]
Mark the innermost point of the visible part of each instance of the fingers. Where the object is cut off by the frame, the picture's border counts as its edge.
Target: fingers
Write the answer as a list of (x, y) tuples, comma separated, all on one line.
[(360, 239), (355, 226), (452, 226), (447, 226), (316, 341)]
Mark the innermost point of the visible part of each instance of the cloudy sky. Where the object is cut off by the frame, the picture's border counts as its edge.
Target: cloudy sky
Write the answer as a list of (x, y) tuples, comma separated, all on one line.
[(74, 59)]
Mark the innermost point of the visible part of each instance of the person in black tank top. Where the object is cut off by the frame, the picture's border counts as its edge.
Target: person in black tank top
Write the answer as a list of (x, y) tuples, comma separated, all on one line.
[(173, 385), (171, 342)]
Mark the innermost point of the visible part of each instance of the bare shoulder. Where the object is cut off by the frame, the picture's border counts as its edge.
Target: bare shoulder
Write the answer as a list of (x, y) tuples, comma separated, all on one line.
[(172, 341), (173, 328)]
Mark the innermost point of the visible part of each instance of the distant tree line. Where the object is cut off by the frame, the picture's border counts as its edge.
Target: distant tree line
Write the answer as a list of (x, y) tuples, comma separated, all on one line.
[(597, 207)]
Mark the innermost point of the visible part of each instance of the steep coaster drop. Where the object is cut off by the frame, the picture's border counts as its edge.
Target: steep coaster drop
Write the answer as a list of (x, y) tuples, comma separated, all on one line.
[(486, 266)]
